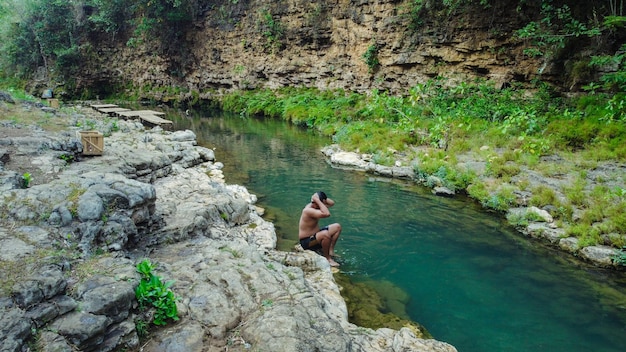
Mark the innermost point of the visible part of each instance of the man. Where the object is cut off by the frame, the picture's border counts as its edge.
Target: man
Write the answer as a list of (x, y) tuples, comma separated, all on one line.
[(311, 235)]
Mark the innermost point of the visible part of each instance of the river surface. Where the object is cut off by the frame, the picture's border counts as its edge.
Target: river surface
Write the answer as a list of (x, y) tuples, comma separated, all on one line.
[(470, 279)]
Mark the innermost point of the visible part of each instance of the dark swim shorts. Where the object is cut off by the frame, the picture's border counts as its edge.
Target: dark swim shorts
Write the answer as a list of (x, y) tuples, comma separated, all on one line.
[(311, 242)]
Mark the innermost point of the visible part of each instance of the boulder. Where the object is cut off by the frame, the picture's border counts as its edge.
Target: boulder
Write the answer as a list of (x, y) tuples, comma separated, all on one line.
[(599, 255)]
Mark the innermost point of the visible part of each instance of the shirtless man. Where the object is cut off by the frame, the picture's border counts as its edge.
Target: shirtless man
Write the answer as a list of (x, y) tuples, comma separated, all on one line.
[(311, 235)]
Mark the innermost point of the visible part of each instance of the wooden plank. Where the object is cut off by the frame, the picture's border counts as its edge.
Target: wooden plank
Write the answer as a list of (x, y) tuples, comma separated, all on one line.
[(139, 113), (112, 110), (150, 112), (127, 114), (155, 120), (102, 106)]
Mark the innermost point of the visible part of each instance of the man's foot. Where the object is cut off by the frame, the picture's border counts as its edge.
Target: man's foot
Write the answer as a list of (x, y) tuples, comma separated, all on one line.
[(333, 263)]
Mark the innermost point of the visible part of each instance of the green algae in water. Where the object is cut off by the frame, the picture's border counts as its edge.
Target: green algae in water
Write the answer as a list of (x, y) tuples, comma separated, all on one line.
[(378, 304)]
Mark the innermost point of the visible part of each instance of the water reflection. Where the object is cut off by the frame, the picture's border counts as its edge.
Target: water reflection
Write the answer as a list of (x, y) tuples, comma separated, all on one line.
[(470, 280)]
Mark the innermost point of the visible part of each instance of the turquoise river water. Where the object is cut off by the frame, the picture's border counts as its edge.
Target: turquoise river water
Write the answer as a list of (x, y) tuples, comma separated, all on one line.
[(460, 271)]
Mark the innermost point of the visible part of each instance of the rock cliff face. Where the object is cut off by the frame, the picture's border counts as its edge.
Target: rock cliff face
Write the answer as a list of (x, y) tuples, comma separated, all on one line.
[(270, 44)]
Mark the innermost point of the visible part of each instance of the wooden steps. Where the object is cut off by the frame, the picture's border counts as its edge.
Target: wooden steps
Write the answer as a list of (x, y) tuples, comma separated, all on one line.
[(139, 113), (156, 121), (103, 106), (112, 111), (148, 117)]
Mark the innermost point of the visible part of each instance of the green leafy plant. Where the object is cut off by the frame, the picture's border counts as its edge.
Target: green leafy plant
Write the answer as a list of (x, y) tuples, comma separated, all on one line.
[(152, 291), (552, 32), (68, 158), (26, 180), (370, 57)]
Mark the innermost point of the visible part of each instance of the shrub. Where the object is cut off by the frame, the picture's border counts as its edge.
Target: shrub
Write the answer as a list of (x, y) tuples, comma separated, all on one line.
[(370, 57)]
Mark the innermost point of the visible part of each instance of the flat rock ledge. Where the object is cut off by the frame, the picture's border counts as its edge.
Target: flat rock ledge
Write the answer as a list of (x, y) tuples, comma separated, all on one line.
[(70, 247), (542, 227)]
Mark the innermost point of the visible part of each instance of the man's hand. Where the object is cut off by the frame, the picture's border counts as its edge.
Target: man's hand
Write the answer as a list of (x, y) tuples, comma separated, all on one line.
[(315, 198)]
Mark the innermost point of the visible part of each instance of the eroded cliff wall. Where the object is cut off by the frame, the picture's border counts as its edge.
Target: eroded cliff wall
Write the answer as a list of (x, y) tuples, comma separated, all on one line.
[(237, 44)]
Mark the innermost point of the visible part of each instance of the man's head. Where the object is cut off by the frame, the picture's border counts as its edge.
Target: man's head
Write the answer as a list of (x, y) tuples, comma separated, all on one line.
[(321, 196)]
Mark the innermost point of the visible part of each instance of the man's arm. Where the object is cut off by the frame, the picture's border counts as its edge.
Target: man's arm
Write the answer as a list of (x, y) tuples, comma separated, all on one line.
[(323, 209)]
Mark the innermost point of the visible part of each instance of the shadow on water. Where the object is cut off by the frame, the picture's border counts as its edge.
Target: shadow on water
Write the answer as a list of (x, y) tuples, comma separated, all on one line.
[(469, 278)]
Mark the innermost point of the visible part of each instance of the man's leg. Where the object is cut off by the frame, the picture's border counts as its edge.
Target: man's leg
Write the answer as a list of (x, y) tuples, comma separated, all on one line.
[(334, 231), (326, 242)]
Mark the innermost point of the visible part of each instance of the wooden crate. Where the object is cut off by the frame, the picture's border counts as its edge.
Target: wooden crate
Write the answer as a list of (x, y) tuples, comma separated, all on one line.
[(54, 103), (92, 141)]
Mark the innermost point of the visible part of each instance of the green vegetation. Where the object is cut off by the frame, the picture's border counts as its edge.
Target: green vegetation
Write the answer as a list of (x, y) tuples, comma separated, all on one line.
[(620, 256), (163, 19), (272, 30), (552, 32), (57, 35), (142, 328), (377, 304), (152, 291), (430, 114), (509, 129), (26, 180), (418, 10), (68, 158), (435, 124), (371, 57), (76, 191)]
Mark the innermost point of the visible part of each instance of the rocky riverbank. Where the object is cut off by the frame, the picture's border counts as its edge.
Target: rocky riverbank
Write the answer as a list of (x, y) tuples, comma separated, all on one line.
[(74, 227), (540, 223)]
